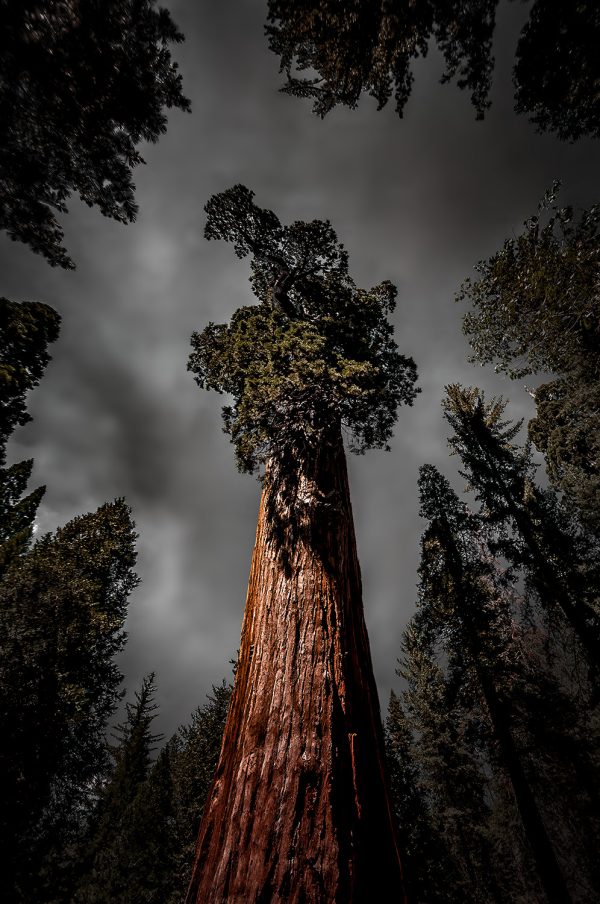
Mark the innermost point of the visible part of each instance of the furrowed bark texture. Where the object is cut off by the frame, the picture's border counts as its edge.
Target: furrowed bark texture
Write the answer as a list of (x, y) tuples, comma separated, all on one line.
[(299, 811)]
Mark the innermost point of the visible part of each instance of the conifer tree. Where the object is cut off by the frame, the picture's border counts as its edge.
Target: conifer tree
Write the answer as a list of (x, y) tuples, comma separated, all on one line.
[(124, 850), (428, 870), (141, 836), (561, 564), (194, 752), (25, 332), (461, 603), (62, 608), (299, 809), (534, 311)]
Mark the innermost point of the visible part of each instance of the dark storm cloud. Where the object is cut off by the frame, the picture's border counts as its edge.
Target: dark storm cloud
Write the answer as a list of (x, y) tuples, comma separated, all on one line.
[(417, 201)]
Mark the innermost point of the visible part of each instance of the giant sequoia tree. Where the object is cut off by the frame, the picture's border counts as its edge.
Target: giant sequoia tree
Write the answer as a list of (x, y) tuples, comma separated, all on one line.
[(299, 809)]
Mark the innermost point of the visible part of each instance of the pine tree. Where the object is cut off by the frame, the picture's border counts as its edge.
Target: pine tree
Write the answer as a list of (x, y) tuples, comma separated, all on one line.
[(25, 332), (141, 837), (62, 608), (445, 720), (560, 562), (428, 870), (299, 808), (124, 855), (82, 84)]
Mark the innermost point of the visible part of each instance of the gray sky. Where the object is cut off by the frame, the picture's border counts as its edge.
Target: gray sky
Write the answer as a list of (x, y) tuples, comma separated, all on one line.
[(417, 201)]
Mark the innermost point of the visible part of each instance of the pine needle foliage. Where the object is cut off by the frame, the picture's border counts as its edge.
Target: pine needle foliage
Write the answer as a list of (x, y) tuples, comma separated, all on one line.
[(560, 560)]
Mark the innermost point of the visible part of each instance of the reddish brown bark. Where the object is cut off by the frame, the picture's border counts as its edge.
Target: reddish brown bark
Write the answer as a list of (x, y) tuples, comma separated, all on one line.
[(299, 810)]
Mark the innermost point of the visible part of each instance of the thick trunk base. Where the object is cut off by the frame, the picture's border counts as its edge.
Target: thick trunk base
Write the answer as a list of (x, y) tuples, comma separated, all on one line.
[(299, 811)]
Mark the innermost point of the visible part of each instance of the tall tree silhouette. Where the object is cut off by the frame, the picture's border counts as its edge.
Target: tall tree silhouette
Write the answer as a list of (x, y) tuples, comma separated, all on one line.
[(299, 809), (462, 602), (62, 608), (560, 565)]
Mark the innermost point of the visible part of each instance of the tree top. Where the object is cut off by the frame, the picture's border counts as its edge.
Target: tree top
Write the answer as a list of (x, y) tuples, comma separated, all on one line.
[(315, 354)]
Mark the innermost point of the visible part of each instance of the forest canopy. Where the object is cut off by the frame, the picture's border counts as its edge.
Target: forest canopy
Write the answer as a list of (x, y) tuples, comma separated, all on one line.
[(82, 84)]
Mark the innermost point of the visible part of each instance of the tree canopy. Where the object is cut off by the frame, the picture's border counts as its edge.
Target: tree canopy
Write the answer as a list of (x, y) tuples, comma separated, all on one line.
[(534, 303), (534, 310), (370, 46), (314, 354), (557, 68), (82, 84)]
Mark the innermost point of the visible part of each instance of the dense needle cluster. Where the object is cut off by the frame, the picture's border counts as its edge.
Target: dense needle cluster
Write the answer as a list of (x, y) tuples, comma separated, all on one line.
[(316, 353)]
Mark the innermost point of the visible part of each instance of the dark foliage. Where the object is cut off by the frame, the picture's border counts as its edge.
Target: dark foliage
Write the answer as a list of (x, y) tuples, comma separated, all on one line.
[(142, 833), (82, 84), (429, 874), (25, 332), (557, 70), (496, 740), (128, 847), (316, 351), (370, 46), (559, 560), (194, 752), (62, 608)]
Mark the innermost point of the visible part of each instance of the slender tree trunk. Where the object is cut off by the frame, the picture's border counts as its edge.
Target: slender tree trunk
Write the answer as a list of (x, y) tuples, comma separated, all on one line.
[(299, 810)]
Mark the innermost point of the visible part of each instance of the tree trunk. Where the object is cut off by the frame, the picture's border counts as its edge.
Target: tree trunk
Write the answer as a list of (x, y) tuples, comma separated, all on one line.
[(299, 811)]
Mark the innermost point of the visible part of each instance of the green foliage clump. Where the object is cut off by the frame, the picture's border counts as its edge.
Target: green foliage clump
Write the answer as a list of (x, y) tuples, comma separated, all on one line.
[(82, 84), (315, 354), (535, 310)]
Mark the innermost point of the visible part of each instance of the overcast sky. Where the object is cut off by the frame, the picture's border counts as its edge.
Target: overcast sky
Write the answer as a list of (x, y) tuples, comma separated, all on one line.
[(417, 201)]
